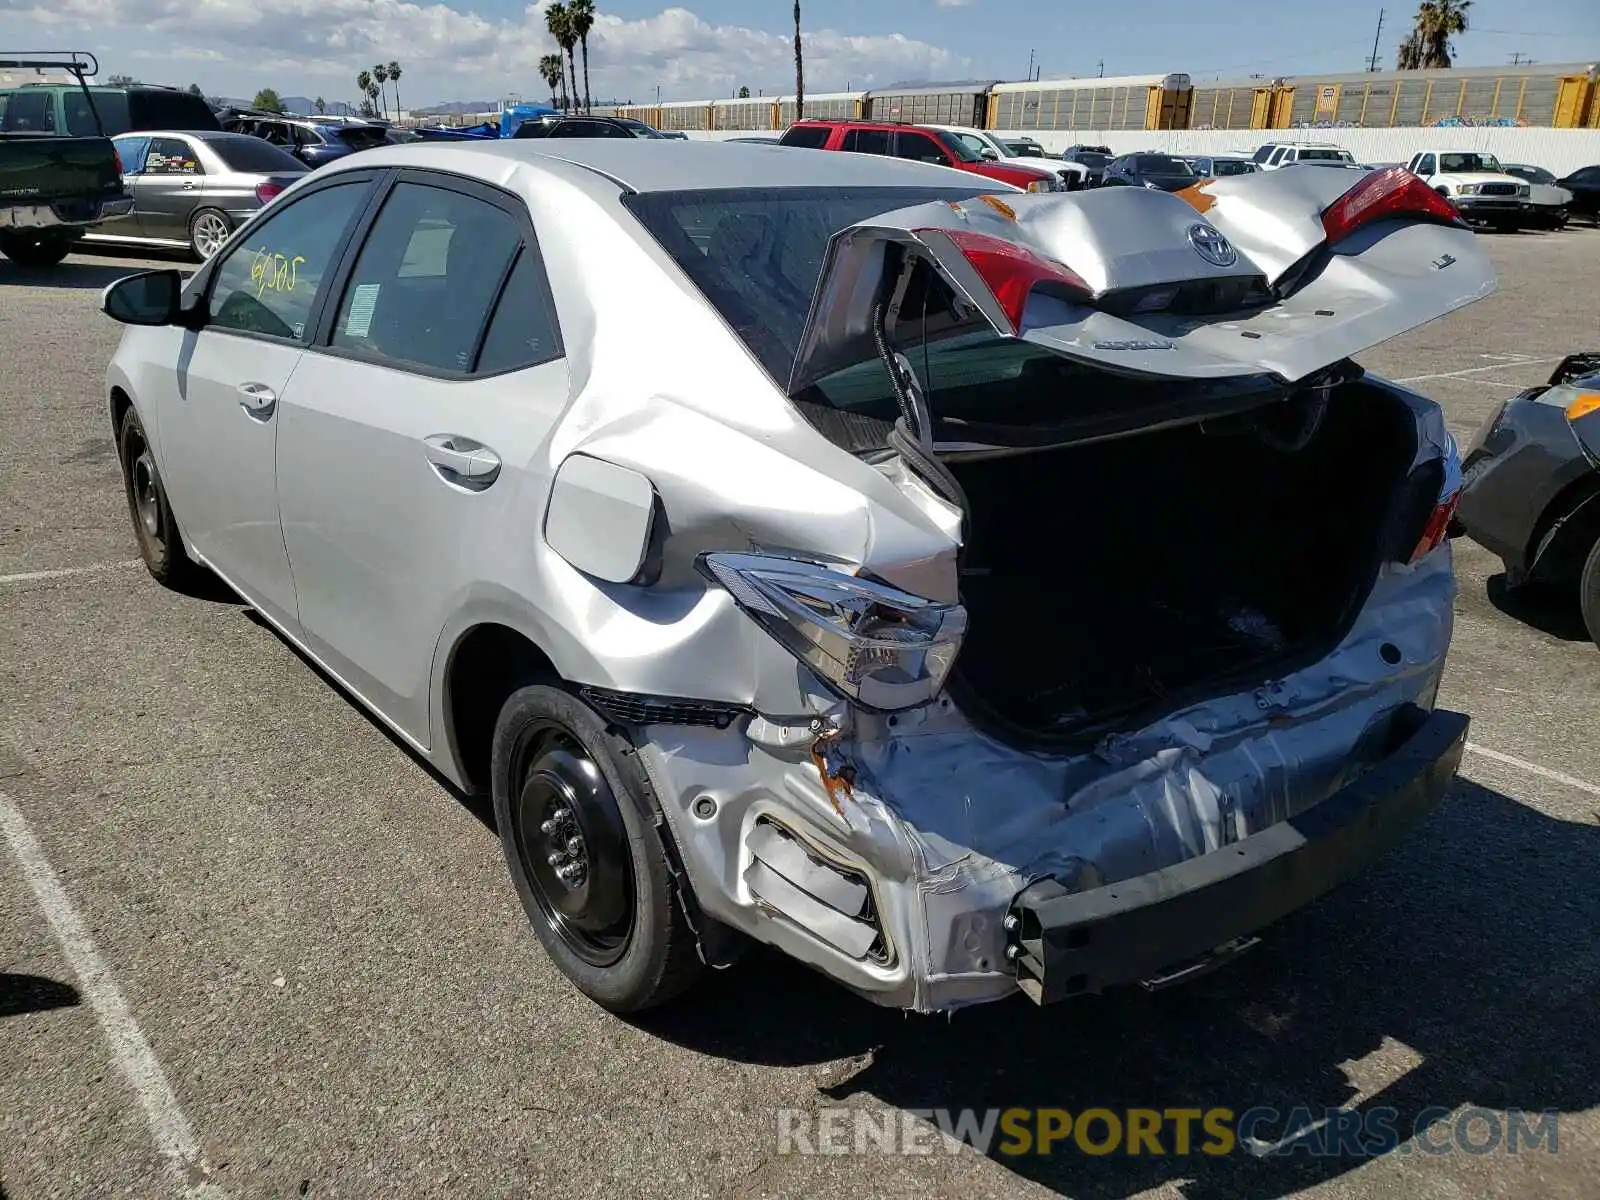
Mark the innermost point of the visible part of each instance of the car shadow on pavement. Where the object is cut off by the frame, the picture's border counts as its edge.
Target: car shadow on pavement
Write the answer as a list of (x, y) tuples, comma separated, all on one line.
[(1466, 961), (68, 275), (1550, 610), (21, 993)]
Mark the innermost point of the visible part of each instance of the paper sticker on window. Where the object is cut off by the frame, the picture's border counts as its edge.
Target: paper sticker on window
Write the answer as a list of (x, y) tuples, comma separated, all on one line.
[(359, 321)]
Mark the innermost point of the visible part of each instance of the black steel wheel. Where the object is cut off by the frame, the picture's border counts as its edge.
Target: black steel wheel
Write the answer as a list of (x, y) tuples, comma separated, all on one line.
[(154, 526), (585, 846)]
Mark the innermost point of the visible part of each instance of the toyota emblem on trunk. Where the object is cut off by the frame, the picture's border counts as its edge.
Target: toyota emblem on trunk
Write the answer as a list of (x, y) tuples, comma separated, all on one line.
[(1212, 246)]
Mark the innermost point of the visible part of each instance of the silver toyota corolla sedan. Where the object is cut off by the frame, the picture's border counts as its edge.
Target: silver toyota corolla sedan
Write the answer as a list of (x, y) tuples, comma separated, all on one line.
[(192, 189), (961, 591)]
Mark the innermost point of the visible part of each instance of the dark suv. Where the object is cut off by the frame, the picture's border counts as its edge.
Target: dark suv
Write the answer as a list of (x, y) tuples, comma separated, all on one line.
[(62, 109), (587, 127), (917, 144), (1162, 172)]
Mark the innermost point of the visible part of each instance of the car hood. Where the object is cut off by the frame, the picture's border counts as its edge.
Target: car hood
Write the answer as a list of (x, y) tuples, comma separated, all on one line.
[(1313, 306), (1548, 193), (1459, 177)]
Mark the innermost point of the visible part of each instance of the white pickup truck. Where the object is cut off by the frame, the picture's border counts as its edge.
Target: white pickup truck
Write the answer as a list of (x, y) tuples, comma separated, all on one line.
[(1474, 182)]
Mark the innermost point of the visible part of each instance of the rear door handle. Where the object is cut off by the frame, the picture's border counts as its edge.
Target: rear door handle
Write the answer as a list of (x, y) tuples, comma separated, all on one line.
[(461, 460), (257, 399)]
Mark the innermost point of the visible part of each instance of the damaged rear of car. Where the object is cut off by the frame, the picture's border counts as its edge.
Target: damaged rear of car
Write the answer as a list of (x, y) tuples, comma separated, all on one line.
[(1142, 656)]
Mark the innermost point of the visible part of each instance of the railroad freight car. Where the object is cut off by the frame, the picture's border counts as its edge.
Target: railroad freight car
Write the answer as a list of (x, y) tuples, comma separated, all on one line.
[(1118, 102), (963, 103)]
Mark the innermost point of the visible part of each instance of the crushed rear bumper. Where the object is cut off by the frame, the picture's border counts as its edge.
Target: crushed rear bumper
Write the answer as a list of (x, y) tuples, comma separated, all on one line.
[(1172, 922)]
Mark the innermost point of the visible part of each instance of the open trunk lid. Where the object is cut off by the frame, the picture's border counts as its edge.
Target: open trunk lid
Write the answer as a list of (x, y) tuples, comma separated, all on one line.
[(1281, 273)]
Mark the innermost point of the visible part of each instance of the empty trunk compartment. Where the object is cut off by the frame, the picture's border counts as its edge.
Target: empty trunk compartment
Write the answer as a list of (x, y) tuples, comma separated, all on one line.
[(1127, 576)]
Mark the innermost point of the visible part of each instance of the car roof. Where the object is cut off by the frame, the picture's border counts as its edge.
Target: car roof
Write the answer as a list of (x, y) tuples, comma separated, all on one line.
[(645, 165)]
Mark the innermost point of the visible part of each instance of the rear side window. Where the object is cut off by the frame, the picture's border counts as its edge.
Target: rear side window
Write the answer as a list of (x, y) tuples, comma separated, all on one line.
[(252, 155), (813, 137), (111, 106), (867, 141), (522, 331), (425, 279), (171, 156), (756, 254)]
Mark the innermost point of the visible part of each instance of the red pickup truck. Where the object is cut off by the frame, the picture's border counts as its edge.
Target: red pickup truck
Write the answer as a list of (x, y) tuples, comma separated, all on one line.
[(917, 143)]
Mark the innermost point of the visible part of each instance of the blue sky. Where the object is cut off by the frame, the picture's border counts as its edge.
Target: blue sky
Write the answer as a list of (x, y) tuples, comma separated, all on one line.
[(477, 49)]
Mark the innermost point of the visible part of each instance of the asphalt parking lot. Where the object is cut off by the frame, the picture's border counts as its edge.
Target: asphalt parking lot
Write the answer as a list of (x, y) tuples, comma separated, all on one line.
[(250, 947)]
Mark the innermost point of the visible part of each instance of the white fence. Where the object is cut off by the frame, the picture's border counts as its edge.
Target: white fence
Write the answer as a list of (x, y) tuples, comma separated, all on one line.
[(1558, 150)]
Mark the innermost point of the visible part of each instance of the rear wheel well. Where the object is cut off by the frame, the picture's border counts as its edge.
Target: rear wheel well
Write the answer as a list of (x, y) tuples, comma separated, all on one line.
[(488, 664), (121, 402)]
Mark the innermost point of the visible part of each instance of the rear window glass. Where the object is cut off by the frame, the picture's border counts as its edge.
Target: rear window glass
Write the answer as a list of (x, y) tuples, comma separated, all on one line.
[(1162, 164), (756, 254), (813, 136), (242, 153), (1224, 166), (1312, 154)]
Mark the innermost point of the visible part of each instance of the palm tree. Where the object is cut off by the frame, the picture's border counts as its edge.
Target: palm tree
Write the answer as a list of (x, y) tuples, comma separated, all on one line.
[(799, 69), (320, 105), (380, 76), (364, 84), (580, 13), (1428, 43), (558, 20), (394, 78), (554, 74)]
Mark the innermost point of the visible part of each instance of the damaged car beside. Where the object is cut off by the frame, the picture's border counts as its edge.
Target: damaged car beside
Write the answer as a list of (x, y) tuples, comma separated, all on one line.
[(961, 590)]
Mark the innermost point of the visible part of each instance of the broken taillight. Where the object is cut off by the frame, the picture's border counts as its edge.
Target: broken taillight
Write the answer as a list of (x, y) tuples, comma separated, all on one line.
[(1391, 192), (266, 191), (1438, 526), (1011, 271)]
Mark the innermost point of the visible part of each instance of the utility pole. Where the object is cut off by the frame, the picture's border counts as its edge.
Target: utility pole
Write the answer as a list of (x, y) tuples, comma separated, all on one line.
[(1101, 70), (1372, 63), (1030, 64), (1519, 59)]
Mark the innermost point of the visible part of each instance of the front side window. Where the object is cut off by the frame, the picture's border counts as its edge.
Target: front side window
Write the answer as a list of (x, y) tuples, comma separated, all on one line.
[(133, 151), (966, 147), (426, 277), (270, 282), (919, 147)]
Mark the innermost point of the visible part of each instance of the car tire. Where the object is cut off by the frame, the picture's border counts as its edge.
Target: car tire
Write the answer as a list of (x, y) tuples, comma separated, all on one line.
[(1589, 592), (208, 229), (154, 526), (588, 853), (34, 250)]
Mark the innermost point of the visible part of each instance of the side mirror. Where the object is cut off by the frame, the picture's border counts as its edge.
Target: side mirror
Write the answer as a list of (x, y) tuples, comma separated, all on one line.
[(989, 155), (148, 298)]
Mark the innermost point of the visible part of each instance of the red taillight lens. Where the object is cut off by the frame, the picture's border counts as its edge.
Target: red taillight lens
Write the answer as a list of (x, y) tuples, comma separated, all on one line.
[(117, 156), (1391, 192), (1012, 271), (1438, 526), (266, 191)]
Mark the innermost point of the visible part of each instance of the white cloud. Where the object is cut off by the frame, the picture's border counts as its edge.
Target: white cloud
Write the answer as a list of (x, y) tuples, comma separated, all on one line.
[(234, 47), (954, 3)]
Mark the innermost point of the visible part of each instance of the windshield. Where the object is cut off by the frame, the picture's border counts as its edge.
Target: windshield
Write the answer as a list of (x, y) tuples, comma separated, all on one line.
[(363, 137), (756, 254), (638, 128), (1024, 149), (251, 155), (1314, 154), (967, 147), (1092, 159), (1452, 163), (1532, 174), (1161, 164)]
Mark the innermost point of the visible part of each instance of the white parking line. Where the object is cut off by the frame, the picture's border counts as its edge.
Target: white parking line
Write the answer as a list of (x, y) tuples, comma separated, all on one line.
[(1495, 366), (1522, 764), (65, 572), (174, 1136)]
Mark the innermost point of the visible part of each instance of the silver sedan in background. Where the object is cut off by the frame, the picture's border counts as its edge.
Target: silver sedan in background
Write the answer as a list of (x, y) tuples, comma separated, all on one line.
[(191, 189)]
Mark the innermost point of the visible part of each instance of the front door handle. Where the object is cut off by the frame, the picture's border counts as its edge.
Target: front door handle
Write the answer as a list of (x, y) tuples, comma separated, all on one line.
[(462, 461), (188, 187), (257, 399)]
